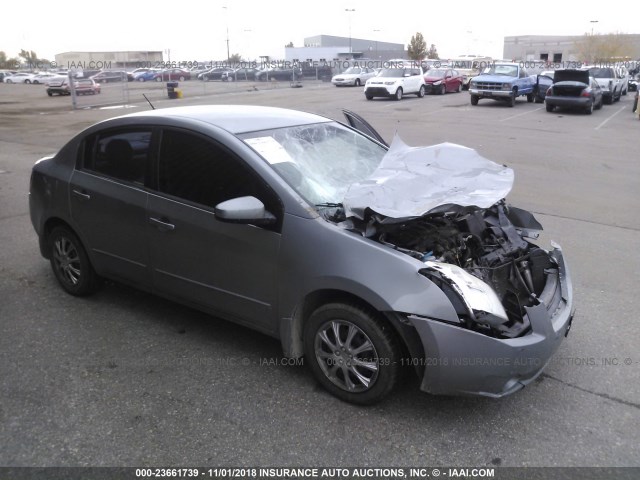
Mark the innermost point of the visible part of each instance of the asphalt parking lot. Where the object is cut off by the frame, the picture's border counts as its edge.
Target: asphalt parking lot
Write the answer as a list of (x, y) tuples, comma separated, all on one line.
[(124, 378)]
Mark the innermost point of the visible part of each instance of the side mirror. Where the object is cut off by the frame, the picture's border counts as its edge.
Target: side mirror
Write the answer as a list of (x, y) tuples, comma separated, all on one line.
[(248, 210)]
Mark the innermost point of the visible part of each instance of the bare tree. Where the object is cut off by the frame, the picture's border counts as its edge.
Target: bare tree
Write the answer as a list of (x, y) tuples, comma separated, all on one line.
[(594, 48)]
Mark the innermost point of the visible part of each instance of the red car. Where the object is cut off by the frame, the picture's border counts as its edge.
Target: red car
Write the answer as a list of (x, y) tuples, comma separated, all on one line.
[(443, 80), (172, 74), (82, 86)]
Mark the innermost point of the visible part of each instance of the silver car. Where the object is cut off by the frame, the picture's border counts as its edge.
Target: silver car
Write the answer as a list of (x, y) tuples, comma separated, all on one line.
[(364, 258)]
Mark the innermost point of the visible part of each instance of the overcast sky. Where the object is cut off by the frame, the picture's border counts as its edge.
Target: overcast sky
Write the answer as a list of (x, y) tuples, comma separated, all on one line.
[(196, 30)]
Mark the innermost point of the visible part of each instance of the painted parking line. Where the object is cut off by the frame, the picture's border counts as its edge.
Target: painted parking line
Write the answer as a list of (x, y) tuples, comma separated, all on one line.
[(609, 118), (521, 114)]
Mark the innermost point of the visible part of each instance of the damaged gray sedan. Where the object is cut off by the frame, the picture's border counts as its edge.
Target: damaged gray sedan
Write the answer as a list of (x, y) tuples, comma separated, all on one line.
[(363, 258)]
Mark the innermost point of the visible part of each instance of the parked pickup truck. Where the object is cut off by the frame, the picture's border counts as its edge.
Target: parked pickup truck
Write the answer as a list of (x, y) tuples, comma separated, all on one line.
[(502, 81)]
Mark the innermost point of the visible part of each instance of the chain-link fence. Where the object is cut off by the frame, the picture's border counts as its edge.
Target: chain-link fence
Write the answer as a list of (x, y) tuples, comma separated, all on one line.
[(104, 88)]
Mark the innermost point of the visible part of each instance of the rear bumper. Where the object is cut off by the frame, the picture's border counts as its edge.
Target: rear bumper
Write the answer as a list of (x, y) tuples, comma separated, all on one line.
[(460, 361), (570, 102)]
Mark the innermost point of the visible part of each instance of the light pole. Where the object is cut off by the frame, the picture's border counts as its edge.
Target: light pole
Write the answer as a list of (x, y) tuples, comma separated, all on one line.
[(349, 12), (375, 30), (592, 22), (227, 18)]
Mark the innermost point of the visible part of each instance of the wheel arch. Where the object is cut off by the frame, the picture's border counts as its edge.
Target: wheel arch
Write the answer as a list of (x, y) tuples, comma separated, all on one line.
[(291, 329)]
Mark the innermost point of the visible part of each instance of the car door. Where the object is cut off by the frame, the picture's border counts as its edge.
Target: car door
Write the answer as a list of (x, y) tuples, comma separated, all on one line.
[(108, 201), (227, 268)]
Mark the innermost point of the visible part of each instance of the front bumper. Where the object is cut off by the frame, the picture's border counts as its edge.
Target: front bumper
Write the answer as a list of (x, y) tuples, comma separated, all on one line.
[(490, 93), (461, 361), (344, 81), (381, 91)]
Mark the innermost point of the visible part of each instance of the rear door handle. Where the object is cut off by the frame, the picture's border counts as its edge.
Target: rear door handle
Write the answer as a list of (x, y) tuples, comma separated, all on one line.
[(81, 194), (161, 224)]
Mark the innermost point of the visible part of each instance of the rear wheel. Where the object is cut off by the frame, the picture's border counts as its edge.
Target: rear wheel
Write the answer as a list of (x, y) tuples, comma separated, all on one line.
[(181, 79), (70, 263), (398, 95), (357, 82), (421, 92), (474, 99), (608, 100), (589, 109), (352, 353), (549, 108), (530, 98)]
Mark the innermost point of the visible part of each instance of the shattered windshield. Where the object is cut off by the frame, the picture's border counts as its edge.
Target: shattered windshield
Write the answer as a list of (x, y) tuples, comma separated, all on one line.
[(319, 161)]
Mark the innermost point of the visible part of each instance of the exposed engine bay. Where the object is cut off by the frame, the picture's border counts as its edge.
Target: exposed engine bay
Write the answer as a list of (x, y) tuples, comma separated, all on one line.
[(466, 244)]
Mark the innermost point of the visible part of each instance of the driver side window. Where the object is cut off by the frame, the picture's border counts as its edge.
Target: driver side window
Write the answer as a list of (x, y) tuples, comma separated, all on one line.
[(197, 169)]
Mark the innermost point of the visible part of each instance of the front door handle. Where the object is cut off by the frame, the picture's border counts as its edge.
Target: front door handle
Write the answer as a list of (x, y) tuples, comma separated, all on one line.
[(162, 224), (83, 195)]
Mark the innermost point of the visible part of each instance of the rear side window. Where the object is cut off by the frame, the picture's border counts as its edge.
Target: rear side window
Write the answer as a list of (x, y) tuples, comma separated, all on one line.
[(122, 154)]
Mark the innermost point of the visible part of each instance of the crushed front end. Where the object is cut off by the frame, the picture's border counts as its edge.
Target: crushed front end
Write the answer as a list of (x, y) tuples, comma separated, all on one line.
[(513, 299)]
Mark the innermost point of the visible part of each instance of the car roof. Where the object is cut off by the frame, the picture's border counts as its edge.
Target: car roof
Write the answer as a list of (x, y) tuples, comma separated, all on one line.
[(237, 118)]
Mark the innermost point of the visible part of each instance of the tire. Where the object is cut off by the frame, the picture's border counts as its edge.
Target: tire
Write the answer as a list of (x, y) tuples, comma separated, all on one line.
[(443, 89), (158, 79), (141, 79), (398, 95), (36, 82), (589, 109), (512, 99), (537, 99), (368, 97), (50, 94), (549, 107), (181, 79), (357, 82), (421, 92), (70, 263), (474, 100), (599, 104), (335, 335), (608, 100), (9, 81), (459, 88), (530, 98)]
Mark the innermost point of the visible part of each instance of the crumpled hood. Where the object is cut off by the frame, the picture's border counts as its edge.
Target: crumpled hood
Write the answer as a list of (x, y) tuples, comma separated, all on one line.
[(413, 181)]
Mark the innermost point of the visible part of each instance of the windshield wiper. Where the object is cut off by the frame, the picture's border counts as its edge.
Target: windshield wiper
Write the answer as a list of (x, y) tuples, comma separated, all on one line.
[(329, 205)]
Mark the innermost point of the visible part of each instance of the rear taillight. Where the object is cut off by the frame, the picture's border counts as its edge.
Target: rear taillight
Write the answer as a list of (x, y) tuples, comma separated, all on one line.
[(549, 91), (585, 93)]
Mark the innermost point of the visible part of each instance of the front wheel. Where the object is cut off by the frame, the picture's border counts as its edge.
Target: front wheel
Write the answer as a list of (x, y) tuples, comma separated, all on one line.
[(357, 82), (474, 100), (367, 96), (421, 92), (352, 352), (512, 99), (181, 79), (398, 95), (459, 88), (70, 263), (443, 89)]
